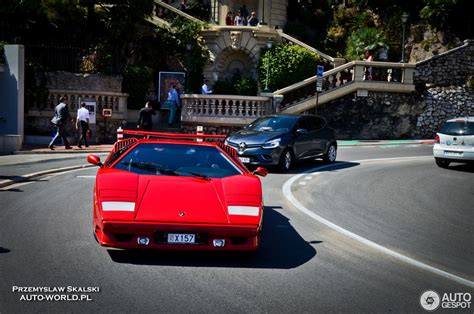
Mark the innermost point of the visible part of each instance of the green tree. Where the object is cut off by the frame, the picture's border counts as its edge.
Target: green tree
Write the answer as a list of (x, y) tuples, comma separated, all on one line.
[(437, 12), (137, 81), (366, 38), (287, 64)]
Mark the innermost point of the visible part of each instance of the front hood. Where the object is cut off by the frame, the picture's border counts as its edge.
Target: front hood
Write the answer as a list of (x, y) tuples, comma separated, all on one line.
[(253, 137), (181, 200), (187, 200)]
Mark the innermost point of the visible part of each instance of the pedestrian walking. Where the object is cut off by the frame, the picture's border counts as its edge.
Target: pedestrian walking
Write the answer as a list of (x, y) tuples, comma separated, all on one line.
[(145, 117), (60, 121), (172, 103), (369, 57), (82, 122)]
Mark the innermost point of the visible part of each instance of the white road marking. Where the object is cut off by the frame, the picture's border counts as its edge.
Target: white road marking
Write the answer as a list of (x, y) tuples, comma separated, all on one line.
[(290, 197), (308, 178), (302, 183), (86, 177), (46, 177)]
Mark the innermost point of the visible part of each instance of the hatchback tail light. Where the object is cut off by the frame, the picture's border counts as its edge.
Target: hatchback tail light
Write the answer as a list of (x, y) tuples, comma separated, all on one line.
[(437, 139)]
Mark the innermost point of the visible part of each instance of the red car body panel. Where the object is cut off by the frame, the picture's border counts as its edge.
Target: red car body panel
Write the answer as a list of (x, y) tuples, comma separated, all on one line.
[(162, 204)]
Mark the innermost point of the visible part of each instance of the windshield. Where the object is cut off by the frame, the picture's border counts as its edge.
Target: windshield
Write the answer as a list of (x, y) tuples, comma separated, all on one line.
[(273, 124), (203, 162), (458, 128)]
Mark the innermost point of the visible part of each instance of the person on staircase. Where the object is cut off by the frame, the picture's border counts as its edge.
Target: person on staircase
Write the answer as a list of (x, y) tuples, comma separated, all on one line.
[(145, 117), (173, 103)]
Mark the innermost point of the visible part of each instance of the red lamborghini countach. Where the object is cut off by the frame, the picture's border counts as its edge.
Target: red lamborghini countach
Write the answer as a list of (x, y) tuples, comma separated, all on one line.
[(170, 191)]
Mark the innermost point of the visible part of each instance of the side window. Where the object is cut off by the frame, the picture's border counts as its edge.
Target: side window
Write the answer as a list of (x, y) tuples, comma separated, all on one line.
[(304, 123), (318, 123)]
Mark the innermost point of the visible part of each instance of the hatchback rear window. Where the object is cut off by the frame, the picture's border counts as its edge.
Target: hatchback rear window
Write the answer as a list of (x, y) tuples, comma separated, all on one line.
[(458, 128)]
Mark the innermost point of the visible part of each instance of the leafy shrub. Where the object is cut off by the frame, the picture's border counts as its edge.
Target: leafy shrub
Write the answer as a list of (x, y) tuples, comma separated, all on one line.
[(137, 81), (287, 64), (363, 39), (224, 87), (244, 86)]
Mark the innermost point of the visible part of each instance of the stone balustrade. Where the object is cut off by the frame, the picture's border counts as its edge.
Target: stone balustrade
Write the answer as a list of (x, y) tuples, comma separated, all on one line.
[(229, 110), (368, 75), (104, 100)]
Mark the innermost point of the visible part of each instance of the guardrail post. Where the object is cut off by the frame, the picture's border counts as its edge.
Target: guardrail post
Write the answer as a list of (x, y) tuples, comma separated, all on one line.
[(199, 131), (119, 134)]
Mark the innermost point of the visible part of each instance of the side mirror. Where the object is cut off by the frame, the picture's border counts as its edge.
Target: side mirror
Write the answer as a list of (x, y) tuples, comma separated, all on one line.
[(95, 160), (261, 171), (301, 131)]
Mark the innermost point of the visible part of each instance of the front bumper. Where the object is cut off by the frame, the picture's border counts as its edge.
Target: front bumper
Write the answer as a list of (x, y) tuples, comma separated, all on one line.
[(261, 157), (124, 235)]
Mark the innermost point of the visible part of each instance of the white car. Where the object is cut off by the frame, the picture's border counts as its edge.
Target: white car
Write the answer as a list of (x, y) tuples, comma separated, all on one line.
[(455, 142)]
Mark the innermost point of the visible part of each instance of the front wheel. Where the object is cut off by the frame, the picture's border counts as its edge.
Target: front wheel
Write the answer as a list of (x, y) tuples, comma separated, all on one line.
[(331, 154), (286, 160), (443, 163)]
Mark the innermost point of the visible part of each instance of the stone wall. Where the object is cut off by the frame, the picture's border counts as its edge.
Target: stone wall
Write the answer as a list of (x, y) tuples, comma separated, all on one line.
[(75, 86), (378, 116), (452, 67), (441, 104), (86, 82), (397, 116)]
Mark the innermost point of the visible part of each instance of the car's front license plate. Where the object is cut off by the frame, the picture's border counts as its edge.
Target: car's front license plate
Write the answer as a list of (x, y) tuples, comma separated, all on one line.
[(244, 159), (181, 238), (455, 154)]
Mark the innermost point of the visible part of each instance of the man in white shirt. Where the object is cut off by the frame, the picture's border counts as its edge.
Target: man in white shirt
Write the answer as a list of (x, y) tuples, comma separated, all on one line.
[(83, 121), (204, 89)]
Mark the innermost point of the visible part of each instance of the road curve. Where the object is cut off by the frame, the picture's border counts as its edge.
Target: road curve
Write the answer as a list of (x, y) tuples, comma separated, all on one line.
[(405, 207), (304, 266)]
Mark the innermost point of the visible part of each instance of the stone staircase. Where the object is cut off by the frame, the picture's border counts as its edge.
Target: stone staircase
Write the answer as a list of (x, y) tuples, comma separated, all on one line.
[(245, 44)]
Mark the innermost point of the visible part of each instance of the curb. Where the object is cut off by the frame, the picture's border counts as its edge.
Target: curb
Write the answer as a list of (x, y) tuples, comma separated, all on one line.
[(63, 151), (379, 143), (27, 177), (108, 148)]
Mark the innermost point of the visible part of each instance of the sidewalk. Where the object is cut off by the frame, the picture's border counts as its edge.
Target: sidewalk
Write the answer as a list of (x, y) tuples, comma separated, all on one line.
[(42, 149)]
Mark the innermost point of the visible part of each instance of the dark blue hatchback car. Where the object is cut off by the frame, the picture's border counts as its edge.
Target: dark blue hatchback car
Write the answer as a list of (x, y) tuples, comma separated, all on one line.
[(279, 140)]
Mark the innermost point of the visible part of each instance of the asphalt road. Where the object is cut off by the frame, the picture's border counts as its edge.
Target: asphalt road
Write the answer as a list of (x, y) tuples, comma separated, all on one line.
[(410, 207)]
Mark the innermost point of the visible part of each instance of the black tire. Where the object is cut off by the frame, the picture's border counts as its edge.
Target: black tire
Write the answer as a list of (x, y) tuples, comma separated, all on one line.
[(443, 163), (331, 154), (286, 160)]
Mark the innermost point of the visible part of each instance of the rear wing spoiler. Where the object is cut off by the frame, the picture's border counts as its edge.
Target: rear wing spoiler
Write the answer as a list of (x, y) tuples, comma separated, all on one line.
[(197, 136), (123, 144)]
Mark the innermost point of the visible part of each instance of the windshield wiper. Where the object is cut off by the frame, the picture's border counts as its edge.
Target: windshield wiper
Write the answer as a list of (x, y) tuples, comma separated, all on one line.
[(160, 169), (197, 175)]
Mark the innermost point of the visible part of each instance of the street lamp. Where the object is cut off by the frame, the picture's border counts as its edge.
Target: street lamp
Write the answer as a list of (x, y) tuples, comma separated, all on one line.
[(404, 20), (269, 46)]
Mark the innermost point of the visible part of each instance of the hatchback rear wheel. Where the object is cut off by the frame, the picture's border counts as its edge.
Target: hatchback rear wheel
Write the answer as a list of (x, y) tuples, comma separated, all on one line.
[(443, 163)]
